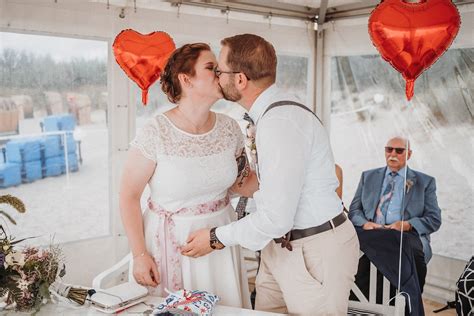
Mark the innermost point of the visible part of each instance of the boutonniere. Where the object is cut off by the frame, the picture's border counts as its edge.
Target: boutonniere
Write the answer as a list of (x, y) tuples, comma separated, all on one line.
[(251, 131), (250, 142), (409, 184)]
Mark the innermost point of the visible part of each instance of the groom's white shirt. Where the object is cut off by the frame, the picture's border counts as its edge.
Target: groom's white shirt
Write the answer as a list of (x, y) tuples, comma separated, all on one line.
[(296, 171)]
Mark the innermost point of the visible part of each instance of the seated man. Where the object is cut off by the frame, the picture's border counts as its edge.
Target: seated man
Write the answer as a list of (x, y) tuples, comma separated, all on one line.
[(377, 203)]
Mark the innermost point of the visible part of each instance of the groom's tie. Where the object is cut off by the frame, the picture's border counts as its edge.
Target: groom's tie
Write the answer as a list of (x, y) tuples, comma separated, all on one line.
[(242, 204), (382, 208), (248, 119)]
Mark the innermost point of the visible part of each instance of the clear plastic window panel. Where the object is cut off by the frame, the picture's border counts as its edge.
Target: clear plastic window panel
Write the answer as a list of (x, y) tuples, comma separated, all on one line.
[(368, 106), (292, 75), (54, 137)]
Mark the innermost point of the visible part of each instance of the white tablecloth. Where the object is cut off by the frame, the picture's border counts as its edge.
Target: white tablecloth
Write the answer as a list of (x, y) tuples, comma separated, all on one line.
[(64, 309)]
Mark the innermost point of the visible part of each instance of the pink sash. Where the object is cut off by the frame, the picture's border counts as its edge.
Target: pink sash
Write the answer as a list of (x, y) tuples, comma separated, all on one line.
[(168, 258)]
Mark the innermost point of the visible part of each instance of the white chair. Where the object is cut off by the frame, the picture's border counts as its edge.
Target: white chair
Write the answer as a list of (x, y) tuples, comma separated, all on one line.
[(251, 263), (370, 306), (120, 270)]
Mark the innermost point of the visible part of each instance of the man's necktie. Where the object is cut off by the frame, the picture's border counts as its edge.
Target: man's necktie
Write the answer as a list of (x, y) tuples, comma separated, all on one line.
[(385, 199), (242, 204), (248, 118)]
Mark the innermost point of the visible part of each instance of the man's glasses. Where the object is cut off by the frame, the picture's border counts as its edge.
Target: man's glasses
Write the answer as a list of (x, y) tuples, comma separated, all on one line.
[(398, 150), (219, 72)]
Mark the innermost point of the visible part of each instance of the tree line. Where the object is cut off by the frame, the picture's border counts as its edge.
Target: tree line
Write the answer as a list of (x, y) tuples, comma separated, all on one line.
[(26, 73)]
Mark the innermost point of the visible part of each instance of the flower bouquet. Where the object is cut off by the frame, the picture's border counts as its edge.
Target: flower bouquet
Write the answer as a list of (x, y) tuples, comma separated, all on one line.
[(27, 273)]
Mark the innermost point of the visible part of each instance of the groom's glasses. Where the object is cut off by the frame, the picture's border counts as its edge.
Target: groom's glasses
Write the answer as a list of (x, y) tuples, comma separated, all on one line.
[(398, 150), (219, 72)]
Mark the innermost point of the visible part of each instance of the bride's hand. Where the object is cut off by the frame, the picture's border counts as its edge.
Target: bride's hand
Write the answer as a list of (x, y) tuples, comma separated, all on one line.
[(145, 270)]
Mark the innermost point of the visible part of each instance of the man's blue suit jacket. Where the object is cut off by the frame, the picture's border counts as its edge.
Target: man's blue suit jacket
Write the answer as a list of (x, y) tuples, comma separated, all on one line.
[(420, 203)]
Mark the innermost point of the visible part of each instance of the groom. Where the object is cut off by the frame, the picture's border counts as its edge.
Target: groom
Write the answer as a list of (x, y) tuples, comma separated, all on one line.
[(310, 270)]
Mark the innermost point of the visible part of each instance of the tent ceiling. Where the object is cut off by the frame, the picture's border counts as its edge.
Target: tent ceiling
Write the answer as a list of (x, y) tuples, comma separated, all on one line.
[(295, 9)]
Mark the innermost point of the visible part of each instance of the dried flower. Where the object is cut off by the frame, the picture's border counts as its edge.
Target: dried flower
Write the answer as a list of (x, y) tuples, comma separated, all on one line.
[(15, 202), (25, 274), (15, 258), (409, 184), (250, 144), (23, 285), (251, 131)]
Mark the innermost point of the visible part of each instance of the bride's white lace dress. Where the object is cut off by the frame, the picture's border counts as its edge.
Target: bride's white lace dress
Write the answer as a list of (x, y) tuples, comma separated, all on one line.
[(189, 191)]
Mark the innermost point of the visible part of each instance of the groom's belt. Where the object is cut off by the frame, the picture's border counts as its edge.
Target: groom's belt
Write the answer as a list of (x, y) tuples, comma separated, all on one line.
[(302, 233)]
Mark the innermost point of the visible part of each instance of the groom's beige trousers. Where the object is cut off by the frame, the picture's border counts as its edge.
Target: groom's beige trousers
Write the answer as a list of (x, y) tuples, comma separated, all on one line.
[(313, 279)]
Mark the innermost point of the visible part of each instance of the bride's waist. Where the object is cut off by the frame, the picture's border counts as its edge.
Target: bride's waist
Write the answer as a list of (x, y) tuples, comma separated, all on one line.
[(195, 209)]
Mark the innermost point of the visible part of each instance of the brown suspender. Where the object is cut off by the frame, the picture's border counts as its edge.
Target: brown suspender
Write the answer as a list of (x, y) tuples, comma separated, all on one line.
[(242, 204)]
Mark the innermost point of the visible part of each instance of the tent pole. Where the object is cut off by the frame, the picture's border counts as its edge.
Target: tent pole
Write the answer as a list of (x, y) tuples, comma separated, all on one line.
[(319, 62)]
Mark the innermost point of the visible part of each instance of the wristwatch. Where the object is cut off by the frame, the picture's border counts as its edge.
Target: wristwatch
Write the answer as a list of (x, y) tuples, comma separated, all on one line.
[(215, 243)]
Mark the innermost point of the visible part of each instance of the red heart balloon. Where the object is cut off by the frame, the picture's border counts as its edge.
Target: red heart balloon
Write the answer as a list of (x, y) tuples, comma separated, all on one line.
[(412, 36), (143, 57)]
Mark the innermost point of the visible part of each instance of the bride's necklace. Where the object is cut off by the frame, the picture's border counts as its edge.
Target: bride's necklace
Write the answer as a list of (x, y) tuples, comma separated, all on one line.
[(196, 128)]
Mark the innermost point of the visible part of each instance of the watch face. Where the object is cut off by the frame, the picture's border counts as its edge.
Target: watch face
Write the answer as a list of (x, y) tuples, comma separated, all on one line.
[(218, 245), (214, 242)]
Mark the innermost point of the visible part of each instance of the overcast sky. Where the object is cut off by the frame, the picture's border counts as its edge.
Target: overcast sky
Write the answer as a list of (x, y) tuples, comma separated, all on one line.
[(60, 48)]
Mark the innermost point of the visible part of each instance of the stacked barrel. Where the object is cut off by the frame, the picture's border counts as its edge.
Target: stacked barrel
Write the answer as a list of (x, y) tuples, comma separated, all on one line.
[(33, 158)]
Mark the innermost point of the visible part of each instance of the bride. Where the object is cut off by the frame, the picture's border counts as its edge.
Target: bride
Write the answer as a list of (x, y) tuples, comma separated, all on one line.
[(188, 156)]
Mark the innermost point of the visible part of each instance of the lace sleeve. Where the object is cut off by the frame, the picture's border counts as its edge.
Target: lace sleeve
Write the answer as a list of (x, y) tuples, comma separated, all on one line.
[(146, 139), (239, 138)]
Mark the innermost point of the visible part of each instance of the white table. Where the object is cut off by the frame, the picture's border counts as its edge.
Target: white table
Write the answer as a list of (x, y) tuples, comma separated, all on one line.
[(51, 309)]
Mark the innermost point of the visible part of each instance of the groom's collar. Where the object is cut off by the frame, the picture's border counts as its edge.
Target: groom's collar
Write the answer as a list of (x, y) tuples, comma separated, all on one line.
[(262, 102)]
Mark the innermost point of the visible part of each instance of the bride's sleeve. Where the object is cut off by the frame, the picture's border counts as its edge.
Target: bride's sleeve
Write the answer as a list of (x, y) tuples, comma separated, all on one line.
[(146, 140), (239, 138)]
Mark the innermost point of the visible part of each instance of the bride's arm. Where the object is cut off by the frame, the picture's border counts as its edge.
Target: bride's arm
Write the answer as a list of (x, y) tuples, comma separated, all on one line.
[(136, 174), (246, 183)]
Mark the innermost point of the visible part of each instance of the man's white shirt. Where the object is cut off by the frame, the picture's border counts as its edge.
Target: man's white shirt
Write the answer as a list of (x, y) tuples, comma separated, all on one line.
[(296, 172)]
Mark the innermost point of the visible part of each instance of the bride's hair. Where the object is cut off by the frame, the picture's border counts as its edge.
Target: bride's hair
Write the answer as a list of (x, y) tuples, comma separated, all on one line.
[(181, 61)]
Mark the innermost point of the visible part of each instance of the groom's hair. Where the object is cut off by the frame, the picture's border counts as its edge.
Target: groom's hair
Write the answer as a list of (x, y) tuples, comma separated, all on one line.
[(252, 55), (183, 60)]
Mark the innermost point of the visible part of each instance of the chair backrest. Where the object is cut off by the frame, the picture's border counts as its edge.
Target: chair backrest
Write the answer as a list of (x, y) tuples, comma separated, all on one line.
[(114, 273), (368, 306)]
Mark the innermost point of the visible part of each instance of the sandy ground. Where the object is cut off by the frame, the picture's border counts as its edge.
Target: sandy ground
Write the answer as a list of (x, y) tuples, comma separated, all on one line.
[(68, 210)]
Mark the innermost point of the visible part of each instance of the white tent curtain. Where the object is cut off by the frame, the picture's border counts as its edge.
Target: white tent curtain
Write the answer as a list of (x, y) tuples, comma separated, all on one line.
[(365, 104)]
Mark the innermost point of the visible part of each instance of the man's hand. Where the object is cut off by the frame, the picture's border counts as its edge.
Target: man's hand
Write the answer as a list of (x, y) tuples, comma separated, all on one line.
[(371, 225), (198, 244), (398, 226)]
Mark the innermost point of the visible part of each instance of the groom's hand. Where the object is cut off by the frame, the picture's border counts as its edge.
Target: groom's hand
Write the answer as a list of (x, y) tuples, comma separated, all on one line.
[(198, 244)]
